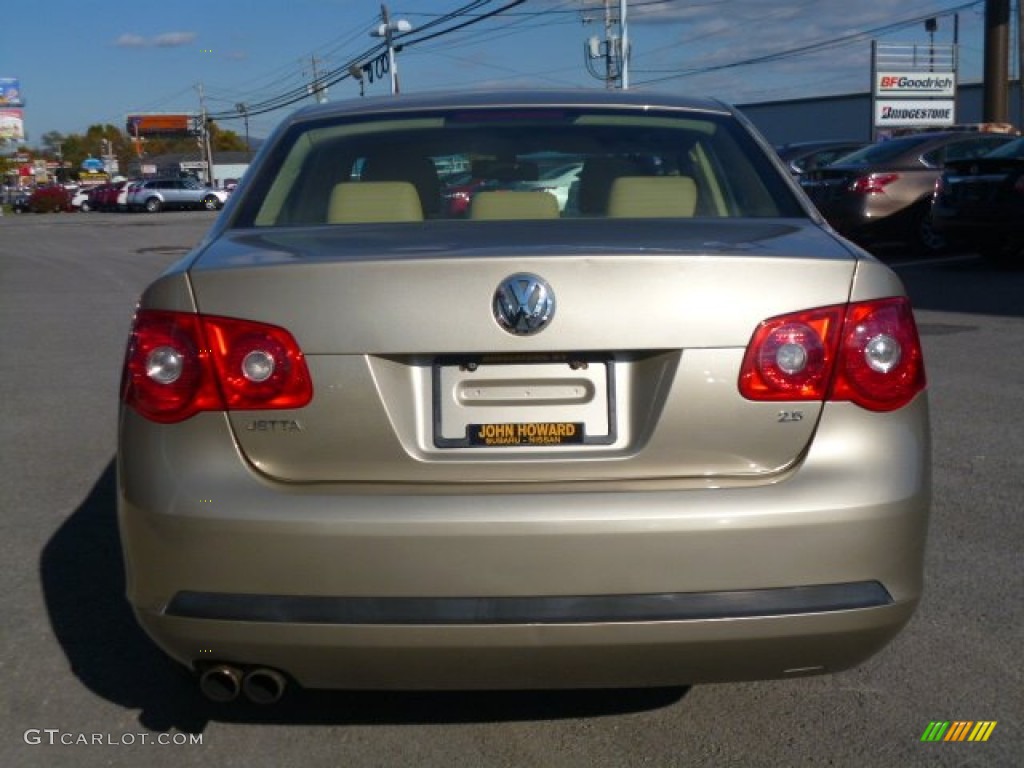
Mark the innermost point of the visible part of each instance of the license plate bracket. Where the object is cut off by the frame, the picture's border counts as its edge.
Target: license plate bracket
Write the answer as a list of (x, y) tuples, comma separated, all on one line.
[(523, 401)]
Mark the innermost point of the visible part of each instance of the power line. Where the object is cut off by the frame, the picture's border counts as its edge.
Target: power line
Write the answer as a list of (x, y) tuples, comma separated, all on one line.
[(816, 47), (342, 72), (548, 11), (474, 20)]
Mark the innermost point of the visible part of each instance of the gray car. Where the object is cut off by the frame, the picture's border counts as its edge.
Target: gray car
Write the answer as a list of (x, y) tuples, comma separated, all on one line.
[(676, 433), (882, 194)]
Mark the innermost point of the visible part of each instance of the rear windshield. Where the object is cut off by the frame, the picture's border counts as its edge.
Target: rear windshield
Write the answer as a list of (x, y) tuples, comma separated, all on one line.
[(512, 165), (1014, 149), (884, 151)]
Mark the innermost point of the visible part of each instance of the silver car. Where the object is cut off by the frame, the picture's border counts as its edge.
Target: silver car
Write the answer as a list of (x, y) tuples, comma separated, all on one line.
[(882, 193), (153, 195), (677, 433)]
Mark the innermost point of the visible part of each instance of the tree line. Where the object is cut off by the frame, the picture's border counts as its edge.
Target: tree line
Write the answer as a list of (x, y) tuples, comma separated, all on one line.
[(106, 139)]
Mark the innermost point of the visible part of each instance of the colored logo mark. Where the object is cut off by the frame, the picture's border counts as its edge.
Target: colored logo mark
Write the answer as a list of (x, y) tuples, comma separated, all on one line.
[(958, 730)]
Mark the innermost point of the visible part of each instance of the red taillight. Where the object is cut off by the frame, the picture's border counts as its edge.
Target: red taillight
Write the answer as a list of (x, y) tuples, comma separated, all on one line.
[(166, 368), (867, 353), (179, 363), (258, 366), (791, 357), (881, 367), (873, 183)]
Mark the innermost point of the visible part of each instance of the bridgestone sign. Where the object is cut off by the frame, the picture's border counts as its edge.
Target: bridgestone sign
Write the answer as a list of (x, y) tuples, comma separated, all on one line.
[(909, 114), (913, 87)]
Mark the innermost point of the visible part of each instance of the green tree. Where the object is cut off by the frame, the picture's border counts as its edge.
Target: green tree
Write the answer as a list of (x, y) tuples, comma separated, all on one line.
[(184, 145), (52, 142), (222, 140), (75, 150)]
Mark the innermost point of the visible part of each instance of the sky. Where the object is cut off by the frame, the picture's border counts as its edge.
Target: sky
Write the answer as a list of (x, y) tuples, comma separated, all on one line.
[(79, 65)]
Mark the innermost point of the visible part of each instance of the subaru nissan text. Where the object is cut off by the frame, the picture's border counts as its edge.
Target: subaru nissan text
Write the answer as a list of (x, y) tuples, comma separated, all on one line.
[(675, 432)]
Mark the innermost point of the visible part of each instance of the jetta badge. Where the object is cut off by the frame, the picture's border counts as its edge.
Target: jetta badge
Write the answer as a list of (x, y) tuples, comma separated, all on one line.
[(523, 304)]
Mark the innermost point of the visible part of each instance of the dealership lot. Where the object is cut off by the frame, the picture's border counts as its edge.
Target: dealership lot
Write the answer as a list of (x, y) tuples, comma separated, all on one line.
[(82, 686)]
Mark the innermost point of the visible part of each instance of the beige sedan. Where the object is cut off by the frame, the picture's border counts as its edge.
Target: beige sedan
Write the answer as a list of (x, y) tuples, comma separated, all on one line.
[(676, 432)]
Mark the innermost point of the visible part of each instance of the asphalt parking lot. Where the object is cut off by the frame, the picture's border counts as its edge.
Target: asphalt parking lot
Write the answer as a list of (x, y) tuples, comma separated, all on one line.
[(80, 685)]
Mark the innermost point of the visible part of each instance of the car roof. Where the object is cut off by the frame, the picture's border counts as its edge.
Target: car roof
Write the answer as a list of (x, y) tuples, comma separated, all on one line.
[(941, 136), (798, 148), (469, 99), (819, 143)]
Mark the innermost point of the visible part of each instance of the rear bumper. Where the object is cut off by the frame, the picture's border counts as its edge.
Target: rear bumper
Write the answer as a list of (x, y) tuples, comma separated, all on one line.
[(600, 655), (533, 585)]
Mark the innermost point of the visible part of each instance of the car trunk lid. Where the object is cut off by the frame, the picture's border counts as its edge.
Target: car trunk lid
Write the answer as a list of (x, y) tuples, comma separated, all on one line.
[(634, 377)]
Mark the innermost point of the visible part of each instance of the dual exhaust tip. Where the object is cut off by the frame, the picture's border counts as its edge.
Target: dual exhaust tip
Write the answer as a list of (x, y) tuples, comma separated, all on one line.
[(261, 685)]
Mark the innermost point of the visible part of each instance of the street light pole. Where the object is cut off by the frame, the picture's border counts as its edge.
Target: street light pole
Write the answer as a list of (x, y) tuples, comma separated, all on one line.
[(357, 72), (387, 30)]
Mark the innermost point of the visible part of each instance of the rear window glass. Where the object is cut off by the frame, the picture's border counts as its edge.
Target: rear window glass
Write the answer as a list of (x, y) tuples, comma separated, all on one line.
[(1014, 149), (884, 151), (501, 165)]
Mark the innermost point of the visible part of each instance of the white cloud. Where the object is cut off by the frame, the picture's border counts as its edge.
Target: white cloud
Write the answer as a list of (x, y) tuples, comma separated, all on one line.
[(165, 40), (174, 39), (128, 40)]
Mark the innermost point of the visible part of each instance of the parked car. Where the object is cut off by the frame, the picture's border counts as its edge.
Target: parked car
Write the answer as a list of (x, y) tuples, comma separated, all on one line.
[(80, 200), (19, 202), (49, 198), (803, 156), (979, 203), (457, 194), (121, 201), (882, 193), (104, 196), (154, 195), (679, 436), (556, 181)]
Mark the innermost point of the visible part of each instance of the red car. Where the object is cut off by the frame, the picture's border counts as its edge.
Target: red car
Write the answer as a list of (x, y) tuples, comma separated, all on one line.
[(104, 197), (456, 195), (49, 199)]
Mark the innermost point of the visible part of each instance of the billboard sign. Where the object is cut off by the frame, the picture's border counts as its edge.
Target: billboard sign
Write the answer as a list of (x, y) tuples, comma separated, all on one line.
[(92, 164), (10, 92), (159, 125), (12, 124), (903, 85), (920, 113)]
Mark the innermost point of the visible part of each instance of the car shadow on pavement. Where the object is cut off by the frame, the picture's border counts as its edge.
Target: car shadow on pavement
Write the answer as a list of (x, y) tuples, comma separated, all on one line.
[(968, 285), (84, 586)]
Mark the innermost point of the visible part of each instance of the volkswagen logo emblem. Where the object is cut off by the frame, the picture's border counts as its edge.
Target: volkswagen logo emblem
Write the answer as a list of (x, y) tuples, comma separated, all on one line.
[(523, 304)]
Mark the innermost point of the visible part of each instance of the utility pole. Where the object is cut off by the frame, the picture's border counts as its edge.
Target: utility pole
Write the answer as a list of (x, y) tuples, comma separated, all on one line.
[(389, 37), (997, 37), (204, 135), (59, 151), (317, 89), (387, 30), (624, 46), (1020, 65), (614, 49), (609, 36), (243, 109)]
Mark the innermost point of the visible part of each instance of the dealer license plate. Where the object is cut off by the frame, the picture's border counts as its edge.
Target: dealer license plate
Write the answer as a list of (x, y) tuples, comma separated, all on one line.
[(523, 401)]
